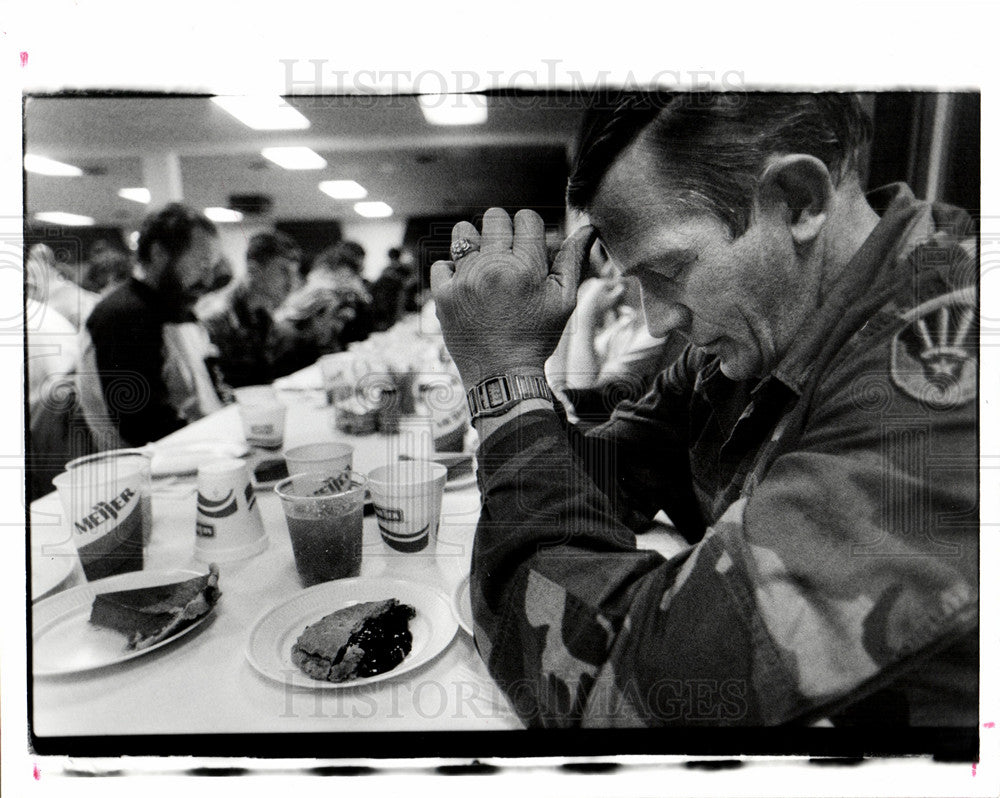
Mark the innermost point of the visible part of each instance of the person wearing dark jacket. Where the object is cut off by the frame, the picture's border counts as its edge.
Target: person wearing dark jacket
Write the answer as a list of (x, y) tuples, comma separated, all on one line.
[(150, 353)]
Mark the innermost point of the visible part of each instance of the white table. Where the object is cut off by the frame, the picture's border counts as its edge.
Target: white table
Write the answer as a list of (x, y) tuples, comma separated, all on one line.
[(205, 685)]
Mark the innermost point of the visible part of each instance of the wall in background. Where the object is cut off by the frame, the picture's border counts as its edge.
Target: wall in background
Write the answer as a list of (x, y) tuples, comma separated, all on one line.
[(377, 236), (234, 239), (930, 141)]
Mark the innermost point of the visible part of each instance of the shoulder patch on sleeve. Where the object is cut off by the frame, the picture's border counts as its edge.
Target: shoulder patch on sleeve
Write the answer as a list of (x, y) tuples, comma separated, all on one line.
[(934, 357)]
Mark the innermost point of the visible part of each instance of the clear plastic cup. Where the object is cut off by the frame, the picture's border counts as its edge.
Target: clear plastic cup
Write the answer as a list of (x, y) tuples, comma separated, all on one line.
[(325, 515)]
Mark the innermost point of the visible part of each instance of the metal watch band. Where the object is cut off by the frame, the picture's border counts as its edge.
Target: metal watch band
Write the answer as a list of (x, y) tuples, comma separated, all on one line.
[(496, 395)]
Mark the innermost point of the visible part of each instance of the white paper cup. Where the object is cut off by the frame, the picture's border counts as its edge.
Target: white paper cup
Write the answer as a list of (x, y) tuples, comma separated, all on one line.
[(106, 500), (139, 458), (407, 499), (256, 395), (325, 457), (444, 397), (228, 525), (264, 424)]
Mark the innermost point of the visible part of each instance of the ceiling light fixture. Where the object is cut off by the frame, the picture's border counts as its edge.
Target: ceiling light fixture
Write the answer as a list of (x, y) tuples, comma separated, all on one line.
[(41, 165), (223, 215), (263, 113), (294, 157), (454, 109), (63, 218), (343, 189), (373, 210), (141, 195)]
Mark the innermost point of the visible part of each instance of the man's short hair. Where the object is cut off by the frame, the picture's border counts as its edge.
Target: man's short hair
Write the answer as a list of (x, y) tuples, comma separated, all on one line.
[(344, 253), (171, 227), (713, 147), (263, 247)]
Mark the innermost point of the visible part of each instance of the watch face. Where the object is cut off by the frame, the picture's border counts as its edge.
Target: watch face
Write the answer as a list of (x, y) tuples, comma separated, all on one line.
[(494, 393)]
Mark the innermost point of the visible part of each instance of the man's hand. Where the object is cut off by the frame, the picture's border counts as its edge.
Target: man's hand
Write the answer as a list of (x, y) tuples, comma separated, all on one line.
[(502, 307)]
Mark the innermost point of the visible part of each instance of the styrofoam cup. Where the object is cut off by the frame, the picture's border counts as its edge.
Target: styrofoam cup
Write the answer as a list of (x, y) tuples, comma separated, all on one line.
[(407, 499), (228, 525)]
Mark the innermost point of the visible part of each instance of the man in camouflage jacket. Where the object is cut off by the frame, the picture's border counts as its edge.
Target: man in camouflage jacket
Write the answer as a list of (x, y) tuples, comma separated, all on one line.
[(816, 443)]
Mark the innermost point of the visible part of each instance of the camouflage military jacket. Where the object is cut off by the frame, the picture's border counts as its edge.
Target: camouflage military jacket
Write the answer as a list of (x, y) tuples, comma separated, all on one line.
[(832, 510)]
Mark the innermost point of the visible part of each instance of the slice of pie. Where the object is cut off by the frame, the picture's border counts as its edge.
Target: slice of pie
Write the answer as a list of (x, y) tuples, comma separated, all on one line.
[(148, 615), (358, 641)]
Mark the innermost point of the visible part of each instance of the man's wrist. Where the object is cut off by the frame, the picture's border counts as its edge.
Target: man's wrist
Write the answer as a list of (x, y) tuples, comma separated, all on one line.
[(498, 395), (470, 379), (520, 382)]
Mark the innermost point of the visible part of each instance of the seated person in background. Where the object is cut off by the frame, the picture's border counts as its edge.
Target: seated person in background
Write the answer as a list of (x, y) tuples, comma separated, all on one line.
[(253, 349), (50, 357), (606, 354), (396, 291), (334, 307), (107, 267), (51, 352), (815, 443), (148, 350), (46, 284)]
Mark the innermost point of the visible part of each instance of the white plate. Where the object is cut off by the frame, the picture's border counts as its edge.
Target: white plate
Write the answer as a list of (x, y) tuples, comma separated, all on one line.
[(183, 459), (463, 605), (269, 648), (48, 571), (65, 642)]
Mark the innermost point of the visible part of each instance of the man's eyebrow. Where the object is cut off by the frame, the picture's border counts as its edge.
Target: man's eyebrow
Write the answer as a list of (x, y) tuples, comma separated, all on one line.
[(666, 259)]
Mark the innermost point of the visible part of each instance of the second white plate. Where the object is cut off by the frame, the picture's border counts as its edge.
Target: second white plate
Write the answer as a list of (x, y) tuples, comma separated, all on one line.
[(63, 639), (269, 648)]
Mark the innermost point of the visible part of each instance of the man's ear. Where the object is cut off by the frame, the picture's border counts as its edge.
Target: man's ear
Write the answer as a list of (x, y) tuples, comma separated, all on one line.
[(800, 188)]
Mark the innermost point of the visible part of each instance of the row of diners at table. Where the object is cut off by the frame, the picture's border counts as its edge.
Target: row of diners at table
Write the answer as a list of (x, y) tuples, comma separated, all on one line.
[(163, 343)]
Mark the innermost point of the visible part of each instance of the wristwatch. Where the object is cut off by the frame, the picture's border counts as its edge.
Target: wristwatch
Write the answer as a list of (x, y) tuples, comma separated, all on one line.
[(497, 395)]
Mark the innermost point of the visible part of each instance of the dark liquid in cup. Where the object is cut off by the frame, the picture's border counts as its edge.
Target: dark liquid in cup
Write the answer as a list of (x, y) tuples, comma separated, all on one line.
[(328, 545)]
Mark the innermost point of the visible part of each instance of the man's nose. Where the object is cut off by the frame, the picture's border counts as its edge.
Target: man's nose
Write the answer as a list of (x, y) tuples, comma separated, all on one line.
[(664, 315)]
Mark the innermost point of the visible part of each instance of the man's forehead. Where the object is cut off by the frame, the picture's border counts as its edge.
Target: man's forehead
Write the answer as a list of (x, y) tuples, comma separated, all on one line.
[(640, 217), (631, 194)]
